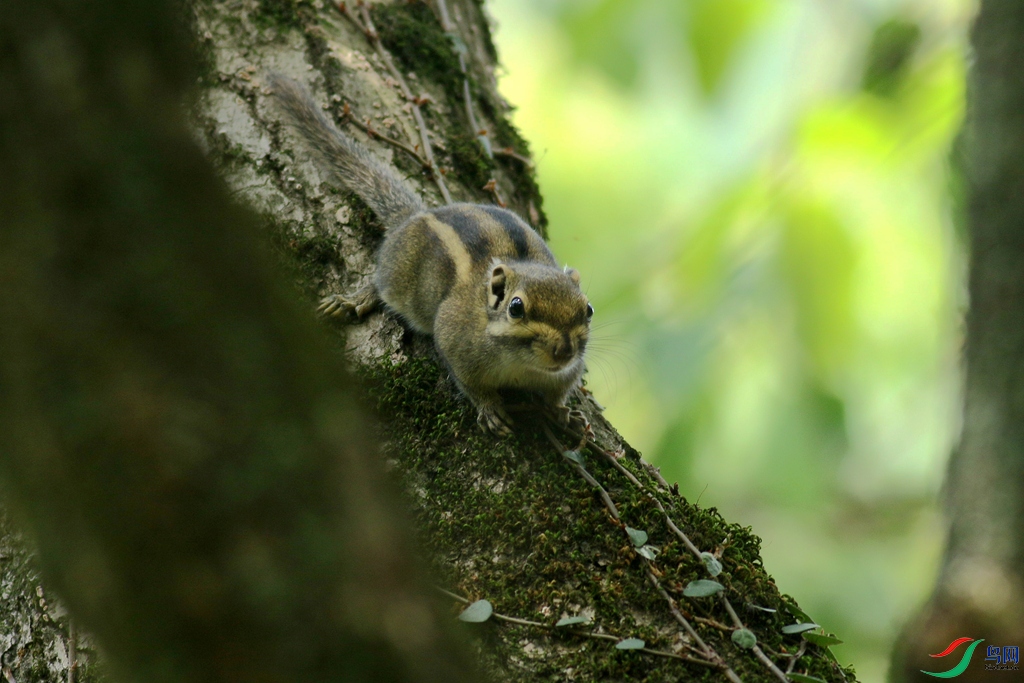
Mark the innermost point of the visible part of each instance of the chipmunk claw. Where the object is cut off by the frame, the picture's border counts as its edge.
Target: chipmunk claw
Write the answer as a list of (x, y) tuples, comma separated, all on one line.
[(356, 307), (495, 420), (336, 306), (567, 417)]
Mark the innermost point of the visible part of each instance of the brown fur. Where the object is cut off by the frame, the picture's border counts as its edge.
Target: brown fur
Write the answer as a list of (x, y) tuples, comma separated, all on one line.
[(453, 272)]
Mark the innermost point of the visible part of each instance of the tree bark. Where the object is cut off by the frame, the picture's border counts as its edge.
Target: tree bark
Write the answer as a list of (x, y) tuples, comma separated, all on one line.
[(541, 530), (980, 590)]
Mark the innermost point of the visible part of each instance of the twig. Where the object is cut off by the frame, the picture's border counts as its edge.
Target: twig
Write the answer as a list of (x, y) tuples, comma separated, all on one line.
[(370, 31), (428, 152), (509, 152), (713, 658), (707, 650), (575, 632), (693, 549), (797, 656), (449, 28), (492, 187), (657, 503), (9, 675), (765, 659), (713, 623), (374, 133), (586, 475)]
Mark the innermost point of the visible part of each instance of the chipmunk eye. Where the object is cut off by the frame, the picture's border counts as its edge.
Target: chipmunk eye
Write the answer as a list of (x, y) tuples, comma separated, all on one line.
[(516, 309), (590, 311)]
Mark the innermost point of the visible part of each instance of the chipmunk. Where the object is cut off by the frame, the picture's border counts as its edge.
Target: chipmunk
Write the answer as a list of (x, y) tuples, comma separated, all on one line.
[(476, 277)]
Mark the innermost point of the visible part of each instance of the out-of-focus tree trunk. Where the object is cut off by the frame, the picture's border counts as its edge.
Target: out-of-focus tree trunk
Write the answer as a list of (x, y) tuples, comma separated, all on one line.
[(189, 458), (197, 470), (980, 590)]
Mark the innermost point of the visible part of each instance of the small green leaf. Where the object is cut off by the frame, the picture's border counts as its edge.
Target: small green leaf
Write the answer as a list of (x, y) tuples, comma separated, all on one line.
[(574, 456), (798, 628), (638, 536), (712, 564), (822, 641), (630, 644), (701, 588), (744, 638), (648, 551), (797, 612), (478, 612), (802, 678), (572, 621)]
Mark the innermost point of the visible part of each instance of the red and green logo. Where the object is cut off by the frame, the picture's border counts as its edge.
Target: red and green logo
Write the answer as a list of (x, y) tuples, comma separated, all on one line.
[(964, 661)]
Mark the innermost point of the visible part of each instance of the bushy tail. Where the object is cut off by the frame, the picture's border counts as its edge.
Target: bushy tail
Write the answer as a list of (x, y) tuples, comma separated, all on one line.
[(351, 164)]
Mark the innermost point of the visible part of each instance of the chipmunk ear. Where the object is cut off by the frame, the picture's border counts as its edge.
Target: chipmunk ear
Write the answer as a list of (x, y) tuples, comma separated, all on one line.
[(573, 274), (496, 294)]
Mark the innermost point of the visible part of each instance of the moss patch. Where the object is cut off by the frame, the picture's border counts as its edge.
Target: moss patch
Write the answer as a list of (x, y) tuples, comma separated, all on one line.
[(283, 14), (413, 35), (510, 521), (469, 162)]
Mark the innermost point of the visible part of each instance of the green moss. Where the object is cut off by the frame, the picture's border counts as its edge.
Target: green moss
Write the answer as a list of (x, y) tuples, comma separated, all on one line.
[(283, 14), (469, 162), (510, 521), (521, 174), (413, 36)]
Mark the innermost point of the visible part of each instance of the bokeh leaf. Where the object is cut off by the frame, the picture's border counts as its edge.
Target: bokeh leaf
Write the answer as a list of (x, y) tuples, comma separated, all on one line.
[(892, 47), (717, 29), (599, 36)]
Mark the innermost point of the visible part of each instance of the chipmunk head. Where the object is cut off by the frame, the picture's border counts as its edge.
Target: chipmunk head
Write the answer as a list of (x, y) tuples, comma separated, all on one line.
[(539, 311)]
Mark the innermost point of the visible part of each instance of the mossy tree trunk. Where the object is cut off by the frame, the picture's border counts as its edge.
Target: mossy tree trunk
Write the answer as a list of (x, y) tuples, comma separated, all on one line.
[(980, 590), (512, 521)]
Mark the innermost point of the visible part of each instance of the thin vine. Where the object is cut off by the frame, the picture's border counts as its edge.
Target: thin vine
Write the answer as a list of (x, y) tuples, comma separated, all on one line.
[(364, 23)]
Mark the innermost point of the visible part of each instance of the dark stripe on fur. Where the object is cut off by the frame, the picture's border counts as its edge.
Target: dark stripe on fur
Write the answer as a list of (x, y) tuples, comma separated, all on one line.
[(514, 228), (469, 231)]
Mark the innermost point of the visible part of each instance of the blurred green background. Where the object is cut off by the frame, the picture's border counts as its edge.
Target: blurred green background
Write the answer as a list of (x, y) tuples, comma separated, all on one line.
[(760, 198)]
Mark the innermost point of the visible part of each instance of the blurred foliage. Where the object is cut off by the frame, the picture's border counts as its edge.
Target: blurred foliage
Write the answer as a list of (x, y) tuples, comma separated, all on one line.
[(757, 193), (892, 47)]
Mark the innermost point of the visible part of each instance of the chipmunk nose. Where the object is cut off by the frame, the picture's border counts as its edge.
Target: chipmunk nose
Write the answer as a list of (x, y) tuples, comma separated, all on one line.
[(562, 350)]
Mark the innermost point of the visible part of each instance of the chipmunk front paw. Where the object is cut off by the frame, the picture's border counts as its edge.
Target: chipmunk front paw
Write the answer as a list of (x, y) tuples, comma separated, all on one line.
[(354, 307), (567, 417), (494, 419)]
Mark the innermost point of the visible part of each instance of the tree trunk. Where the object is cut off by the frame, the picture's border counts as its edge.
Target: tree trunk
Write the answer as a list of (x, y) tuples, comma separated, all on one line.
[(980, 591), (542, 530)]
